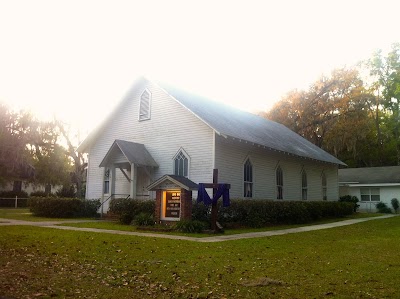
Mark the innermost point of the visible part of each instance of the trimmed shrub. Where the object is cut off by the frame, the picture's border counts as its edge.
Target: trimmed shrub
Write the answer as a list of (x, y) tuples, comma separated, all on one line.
[(349, 198), (383, 208), (7, 199), (89, 207), (41, 194), (127, 209), (259, 213), (144, 219), (395, 204), (190, 226), (201, 212), (66, 192), (9, 202), (13, 194), (63, 207)]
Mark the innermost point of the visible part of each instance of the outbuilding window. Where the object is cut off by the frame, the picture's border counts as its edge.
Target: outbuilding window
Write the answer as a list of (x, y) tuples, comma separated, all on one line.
[(370, 194), (248, 178), (279, 183), (145, 102)]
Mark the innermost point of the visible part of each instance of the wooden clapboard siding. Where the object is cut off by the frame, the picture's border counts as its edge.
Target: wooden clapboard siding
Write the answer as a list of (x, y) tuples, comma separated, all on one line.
[(170, 128), (230, 156)]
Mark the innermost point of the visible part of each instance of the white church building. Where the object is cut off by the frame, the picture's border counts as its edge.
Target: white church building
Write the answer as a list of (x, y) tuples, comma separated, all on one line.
[(157, 130)]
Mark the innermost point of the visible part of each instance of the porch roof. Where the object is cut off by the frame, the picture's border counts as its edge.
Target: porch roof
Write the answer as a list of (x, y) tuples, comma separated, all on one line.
[(177, 180), (134, 153)]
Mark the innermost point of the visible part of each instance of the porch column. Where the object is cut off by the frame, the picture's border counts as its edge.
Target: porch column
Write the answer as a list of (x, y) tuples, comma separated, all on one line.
[(112, 181), (133, 180)]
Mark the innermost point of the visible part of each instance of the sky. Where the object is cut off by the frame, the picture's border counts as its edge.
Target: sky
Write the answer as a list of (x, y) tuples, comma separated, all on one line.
[(75, 60)]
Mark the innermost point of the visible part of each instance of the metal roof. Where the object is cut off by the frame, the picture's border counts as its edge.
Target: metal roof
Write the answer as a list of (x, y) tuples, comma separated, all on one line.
[(370, 175), (134, 152), (231, 122)]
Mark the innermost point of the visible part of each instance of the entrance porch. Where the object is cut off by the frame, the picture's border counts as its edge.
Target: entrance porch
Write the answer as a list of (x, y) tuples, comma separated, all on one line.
[(128, 170)]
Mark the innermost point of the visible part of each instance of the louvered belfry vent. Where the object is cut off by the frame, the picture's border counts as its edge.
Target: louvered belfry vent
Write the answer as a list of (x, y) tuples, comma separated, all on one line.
[(144, 110)]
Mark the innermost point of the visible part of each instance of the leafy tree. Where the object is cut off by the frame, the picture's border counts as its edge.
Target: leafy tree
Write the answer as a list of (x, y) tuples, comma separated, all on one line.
[(349, 136), (50, 159), (385, 75), (315, 112), (79, 162), (15, 161), (358, 123), (29, 150)]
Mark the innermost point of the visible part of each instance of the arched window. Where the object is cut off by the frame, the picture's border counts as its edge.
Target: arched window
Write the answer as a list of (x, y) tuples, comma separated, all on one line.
[(303, 185), (279, 183), (248, 179), (144, 109), (181, 164), (324, 186)]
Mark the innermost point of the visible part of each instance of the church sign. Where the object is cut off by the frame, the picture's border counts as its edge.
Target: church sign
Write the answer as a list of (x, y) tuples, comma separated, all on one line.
[(172, 204), (173, 198)]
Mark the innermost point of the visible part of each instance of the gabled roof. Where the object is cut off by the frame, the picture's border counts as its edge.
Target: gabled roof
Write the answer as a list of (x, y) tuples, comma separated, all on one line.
[(177, 180), (231, 122), (88, 141), (370, 175), (234, 123), (134, 153)]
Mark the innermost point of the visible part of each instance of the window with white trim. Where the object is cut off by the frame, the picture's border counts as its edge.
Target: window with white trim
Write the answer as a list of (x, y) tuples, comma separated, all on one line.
[(324, 187), (181, 164), (107, 181), (144, 107), (370, 194), (304, 186), (248, 179), (279, 183)]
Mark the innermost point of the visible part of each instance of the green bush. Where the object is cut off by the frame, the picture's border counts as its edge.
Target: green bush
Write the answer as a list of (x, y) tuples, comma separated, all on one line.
[(250, 213), (201, 212), (383, 208), (144, 219), (127, 209), (9, 202), (66, 192), (190, 226), (395, 204), (89, 207), (349, 198), (63, 207), (259, 213), (13, 194), (41, 194)]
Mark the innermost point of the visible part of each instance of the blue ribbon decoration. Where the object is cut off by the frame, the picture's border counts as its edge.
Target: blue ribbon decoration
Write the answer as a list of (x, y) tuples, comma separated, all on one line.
[(222, 190)]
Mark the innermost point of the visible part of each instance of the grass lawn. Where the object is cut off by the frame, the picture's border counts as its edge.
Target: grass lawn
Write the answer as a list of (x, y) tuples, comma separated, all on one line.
[(26, 215), (118, 226), (357, 261)]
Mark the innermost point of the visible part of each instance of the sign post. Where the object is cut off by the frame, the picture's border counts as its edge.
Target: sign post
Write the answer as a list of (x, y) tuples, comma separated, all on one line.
[(214, 206)]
